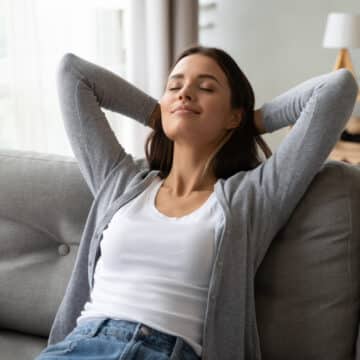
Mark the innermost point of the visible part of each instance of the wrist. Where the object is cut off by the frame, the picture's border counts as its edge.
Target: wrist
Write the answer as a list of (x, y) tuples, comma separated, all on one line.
[(156, 114), (259, 121)]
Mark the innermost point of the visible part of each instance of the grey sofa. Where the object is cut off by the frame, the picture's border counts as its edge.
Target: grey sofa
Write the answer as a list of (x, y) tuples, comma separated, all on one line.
[(307, 288)]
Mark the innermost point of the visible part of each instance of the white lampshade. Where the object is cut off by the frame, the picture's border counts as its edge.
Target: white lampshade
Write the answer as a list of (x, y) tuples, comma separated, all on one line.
[(342, 31)]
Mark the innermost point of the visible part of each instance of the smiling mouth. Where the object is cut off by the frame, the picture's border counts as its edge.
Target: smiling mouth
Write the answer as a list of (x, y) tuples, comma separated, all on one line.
[(185, 112)]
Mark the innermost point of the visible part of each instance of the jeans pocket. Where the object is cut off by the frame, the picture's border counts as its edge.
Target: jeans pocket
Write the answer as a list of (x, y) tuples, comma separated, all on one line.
[(61, 348)]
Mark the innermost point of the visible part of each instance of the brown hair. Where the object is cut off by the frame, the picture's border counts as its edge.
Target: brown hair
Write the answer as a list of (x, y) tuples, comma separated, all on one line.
[(237, 151)]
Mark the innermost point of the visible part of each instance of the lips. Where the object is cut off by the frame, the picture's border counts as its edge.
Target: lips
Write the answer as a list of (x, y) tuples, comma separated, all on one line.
[(186, 108)]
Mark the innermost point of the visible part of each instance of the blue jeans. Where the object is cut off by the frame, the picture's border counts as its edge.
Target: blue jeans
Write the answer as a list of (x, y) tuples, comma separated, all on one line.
[(108, 339)]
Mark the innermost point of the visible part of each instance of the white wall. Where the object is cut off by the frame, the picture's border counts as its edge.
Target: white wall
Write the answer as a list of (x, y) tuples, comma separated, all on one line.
[(277, 43)]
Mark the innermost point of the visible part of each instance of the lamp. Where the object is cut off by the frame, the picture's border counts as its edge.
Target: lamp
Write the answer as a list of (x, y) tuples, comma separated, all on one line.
[(342, 32)]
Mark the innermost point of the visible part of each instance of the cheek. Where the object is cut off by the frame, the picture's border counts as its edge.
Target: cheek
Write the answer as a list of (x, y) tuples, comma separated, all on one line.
[(166, 107), (216, 112), (165, 103), (216, 106)]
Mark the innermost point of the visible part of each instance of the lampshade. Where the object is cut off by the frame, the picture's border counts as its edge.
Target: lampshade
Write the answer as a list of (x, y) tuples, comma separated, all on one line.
[(342, 31)]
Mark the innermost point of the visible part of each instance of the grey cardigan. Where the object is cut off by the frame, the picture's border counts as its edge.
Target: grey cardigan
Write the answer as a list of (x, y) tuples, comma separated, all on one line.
[(255, 204)]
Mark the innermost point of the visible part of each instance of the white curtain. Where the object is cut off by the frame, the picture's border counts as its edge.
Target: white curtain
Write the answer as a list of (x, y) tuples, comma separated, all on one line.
[(136, 39), (158, 30)]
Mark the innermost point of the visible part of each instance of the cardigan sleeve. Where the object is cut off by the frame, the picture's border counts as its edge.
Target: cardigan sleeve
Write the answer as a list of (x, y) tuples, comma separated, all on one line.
[(319, 109), (83, 89)]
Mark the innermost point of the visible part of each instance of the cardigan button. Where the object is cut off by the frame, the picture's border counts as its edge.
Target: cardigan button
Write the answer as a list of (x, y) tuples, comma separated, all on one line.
[(63, 249)]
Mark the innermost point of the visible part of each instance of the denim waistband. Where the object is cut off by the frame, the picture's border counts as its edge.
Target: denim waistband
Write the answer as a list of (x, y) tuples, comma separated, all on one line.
[(125, 330)]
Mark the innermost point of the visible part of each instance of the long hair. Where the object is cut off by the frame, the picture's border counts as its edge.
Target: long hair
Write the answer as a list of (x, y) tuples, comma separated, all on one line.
[(237, 151)]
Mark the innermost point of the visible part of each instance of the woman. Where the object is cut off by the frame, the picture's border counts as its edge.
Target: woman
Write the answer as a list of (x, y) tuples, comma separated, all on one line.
[(171, 246)]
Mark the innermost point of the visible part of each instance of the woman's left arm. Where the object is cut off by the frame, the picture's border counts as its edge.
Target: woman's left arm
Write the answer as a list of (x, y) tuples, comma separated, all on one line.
[(318, 109), (259, 122)]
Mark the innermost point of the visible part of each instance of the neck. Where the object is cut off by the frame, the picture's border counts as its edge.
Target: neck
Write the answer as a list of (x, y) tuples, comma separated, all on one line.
[(186, 184), (180, 188), (186, 176)]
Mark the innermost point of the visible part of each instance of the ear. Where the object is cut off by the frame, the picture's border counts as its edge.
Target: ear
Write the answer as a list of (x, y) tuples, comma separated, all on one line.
[(235, 119)]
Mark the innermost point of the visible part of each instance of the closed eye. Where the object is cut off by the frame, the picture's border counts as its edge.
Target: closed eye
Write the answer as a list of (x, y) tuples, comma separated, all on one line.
[(209, 90)]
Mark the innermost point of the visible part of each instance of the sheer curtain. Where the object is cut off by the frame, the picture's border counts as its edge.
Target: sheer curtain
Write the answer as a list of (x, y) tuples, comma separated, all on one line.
[(158, 31), (136, 39)]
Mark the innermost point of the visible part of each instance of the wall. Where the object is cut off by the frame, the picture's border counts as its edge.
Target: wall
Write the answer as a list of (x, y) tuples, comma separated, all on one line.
[(277, 43)]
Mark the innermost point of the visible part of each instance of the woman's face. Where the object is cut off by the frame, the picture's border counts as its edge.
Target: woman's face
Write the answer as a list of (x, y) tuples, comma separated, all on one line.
[(199, 83)]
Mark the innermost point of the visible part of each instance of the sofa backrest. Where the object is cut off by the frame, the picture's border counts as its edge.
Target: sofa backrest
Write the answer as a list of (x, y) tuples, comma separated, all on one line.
[(44, 203), (308, 285)]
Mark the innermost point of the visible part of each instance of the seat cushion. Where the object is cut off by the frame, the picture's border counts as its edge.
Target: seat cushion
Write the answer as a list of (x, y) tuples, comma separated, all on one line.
[(15, 345)]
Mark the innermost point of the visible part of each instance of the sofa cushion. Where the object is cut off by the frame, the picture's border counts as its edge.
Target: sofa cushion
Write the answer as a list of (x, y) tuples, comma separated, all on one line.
[(15, 345), (308, 285), (44, 204)]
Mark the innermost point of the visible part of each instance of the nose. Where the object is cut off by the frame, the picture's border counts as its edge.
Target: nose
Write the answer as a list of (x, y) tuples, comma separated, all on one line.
[(185, 93)]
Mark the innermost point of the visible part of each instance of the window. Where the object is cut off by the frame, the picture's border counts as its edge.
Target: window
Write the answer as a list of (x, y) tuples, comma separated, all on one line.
[(34, 34)]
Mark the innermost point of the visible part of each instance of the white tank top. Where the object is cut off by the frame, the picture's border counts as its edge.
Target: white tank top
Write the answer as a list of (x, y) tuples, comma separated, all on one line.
[(155, 269)]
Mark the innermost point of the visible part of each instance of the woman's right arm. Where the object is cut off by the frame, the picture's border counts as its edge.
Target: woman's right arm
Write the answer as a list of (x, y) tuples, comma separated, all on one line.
[(155, 116), (83, 88)]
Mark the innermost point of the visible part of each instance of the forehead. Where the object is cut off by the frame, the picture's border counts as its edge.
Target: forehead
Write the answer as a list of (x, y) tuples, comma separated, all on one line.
[(196, 64)]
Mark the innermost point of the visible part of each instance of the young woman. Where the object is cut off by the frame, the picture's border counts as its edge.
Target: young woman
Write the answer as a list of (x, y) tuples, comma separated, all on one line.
[(166, 264)]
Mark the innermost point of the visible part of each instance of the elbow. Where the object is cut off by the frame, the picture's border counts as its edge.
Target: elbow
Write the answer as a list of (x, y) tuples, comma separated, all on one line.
[(65, 65), (348, 83), (67, 73)]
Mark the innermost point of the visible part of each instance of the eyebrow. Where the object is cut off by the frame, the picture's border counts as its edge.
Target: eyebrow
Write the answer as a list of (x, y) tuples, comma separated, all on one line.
[(181, 76)]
